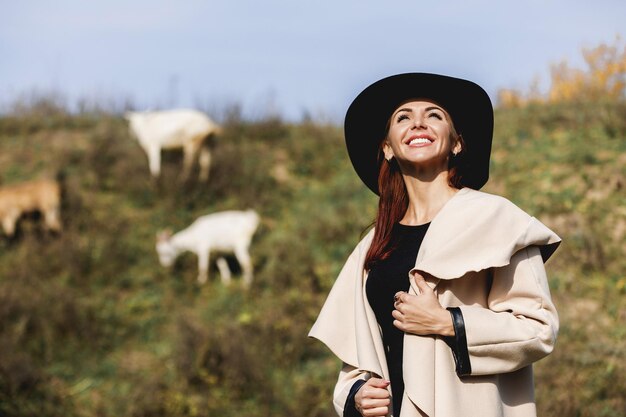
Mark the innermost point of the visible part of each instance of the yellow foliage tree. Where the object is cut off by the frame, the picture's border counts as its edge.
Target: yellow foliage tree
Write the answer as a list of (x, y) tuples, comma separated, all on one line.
[(509, 98), (604, 78)]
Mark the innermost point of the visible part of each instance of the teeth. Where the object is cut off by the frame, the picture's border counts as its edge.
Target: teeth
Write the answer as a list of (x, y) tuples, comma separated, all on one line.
[(418, 141)]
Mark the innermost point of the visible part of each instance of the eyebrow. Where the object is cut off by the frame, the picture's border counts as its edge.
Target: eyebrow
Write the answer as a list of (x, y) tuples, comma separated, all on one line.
[(429, 108)]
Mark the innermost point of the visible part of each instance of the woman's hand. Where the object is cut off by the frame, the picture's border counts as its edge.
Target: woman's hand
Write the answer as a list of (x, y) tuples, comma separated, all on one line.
[(372, 399), (421, 314)]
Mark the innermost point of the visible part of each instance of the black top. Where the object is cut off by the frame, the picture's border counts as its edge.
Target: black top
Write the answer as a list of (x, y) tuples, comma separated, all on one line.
[(385, 279)]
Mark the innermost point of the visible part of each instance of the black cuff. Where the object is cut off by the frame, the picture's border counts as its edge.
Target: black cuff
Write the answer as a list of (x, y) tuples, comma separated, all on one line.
[(458, 343), (349, 410)]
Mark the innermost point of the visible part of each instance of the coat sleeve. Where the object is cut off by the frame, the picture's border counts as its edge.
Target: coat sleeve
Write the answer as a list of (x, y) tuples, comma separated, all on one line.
[(520, 324), (347, 377)]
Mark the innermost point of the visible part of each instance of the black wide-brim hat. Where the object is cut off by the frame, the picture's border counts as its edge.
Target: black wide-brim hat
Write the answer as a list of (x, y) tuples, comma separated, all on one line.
[(467, 103)]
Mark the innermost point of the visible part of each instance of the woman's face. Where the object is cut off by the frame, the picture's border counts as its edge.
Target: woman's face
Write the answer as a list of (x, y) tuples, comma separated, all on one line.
[(420, 136)]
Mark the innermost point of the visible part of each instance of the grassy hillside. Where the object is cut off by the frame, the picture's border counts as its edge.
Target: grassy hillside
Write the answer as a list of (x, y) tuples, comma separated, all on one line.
[(91, 325)]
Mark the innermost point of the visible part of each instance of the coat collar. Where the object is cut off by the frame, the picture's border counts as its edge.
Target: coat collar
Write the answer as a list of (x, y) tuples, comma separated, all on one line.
[(474, 231)]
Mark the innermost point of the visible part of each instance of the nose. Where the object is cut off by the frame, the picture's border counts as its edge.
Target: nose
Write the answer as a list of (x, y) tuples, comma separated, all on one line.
[(418, 122)]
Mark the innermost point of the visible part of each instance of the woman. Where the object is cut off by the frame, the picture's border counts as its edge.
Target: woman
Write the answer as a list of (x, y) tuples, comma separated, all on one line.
[(442, 308)]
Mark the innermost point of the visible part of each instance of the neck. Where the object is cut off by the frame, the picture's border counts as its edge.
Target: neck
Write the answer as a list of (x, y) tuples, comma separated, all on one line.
[(180, 241), (426, 198)]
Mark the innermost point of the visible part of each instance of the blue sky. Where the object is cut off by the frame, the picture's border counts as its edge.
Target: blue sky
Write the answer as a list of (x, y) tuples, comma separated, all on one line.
[(285, 57)]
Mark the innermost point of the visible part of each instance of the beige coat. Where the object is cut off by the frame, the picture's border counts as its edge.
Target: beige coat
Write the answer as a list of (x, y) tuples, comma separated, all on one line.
[(485, 255)]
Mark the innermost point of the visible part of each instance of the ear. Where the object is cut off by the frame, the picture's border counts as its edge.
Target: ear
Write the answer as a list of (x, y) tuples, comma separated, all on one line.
[(387, 151), (458, 147), (163, 235)]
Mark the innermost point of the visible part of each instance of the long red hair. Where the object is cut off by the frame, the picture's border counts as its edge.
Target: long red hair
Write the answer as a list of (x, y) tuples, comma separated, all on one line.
[(394, 200)]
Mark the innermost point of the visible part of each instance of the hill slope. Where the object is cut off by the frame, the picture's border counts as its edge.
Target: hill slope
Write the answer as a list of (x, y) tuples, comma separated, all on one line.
[(92, 325)]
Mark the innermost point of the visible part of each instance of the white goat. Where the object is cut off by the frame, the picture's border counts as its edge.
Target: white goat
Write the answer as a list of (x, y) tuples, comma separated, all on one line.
[(227, 231), (174, 129), (43, 196)]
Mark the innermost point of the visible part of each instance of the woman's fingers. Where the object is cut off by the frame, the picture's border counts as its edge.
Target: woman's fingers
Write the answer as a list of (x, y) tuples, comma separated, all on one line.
[(375, 392), (401, 297), (375, 402), (375, 412), (372, 399), (375, 388)]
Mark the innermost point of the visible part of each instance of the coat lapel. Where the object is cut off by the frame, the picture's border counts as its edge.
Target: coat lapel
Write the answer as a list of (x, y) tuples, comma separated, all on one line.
[(371, 351)]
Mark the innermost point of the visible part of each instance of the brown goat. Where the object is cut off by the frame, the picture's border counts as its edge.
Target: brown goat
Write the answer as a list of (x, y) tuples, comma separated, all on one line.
[(43, 196)]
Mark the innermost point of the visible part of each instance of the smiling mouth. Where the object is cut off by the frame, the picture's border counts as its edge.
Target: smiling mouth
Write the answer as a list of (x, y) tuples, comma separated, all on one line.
[(419, 141)]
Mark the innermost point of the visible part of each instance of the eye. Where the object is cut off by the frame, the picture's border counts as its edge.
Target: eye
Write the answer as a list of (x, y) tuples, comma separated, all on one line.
[(435, 115), (401, 117)]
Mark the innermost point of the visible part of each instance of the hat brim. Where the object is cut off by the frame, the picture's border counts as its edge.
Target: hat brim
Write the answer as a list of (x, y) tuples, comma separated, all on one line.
[(467, 103)]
